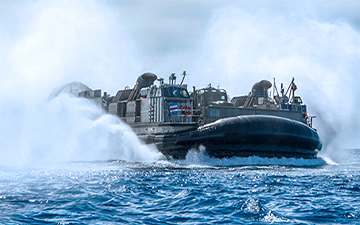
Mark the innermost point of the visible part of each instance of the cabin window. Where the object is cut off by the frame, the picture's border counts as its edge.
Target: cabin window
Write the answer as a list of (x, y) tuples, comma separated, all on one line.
[(298, 100), (167, 92), (260, 100), (175, 92), (213, 97), (184, 93)]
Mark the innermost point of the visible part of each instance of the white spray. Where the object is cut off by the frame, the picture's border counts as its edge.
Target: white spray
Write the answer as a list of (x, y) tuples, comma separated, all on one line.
[(51, 43), (242, 48), (68, 129)]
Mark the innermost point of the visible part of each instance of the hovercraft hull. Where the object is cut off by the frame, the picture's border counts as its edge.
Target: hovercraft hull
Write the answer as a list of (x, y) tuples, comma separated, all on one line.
[(256, 135), (167, 116)]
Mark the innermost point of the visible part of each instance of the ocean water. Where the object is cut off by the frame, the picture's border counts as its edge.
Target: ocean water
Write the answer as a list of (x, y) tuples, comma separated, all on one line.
[(198, 190)]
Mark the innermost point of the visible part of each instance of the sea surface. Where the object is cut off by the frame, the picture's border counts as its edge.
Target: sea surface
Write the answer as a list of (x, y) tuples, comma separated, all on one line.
[(198, 190)]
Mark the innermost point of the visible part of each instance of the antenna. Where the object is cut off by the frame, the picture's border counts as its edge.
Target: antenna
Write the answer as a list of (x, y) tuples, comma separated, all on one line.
[(184, 74), (274, 87), (293, 89)]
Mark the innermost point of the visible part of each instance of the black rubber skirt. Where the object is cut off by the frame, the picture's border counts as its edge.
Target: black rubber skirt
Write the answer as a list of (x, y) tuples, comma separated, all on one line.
[(255, 135)]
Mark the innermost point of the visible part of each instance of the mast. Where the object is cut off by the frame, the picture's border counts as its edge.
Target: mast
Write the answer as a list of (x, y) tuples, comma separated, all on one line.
[(184, 74)]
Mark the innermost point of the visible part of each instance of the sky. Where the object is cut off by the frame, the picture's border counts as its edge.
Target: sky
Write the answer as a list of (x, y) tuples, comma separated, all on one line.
[(107, 44), (155, 35)]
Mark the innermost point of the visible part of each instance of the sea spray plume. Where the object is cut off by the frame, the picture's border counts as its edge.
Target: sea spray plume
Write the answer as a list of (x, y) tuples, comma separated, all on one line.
[(71, 129), (73, 88), (61, 42), (90, 134), (243, 48)]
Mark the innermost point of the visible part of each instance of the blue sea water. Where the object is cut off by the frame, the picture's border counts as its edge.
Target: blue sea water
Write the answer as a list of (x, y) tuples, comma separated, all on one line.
[(198, 190)]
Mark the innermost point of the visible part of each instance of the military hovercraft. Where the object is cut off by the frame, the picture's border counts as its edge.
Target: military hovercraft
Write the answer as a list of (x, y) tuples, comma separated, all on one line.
[(175, 121)]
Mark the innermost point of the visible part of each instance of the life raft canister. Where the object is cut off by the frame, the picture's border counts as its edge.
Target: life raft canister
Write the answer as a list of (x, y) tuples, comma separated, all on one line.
[(186, 110)]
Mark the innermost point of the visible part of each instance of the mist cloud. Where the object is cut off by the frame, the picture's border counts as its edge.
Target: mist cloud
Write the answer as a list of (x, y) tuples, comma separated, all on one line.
[(242, 48)]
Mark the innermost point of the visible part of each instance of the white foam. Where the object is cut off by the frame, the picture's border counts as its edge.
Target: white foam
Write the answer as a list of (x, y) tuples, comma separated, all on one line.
[(200, 158)]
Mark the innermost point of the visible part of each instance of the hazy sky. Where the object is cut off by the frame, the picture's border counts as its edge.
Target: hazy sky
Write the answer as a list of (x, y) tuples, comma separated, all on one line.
[(156, 35), (169, 34), (161, 28)]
